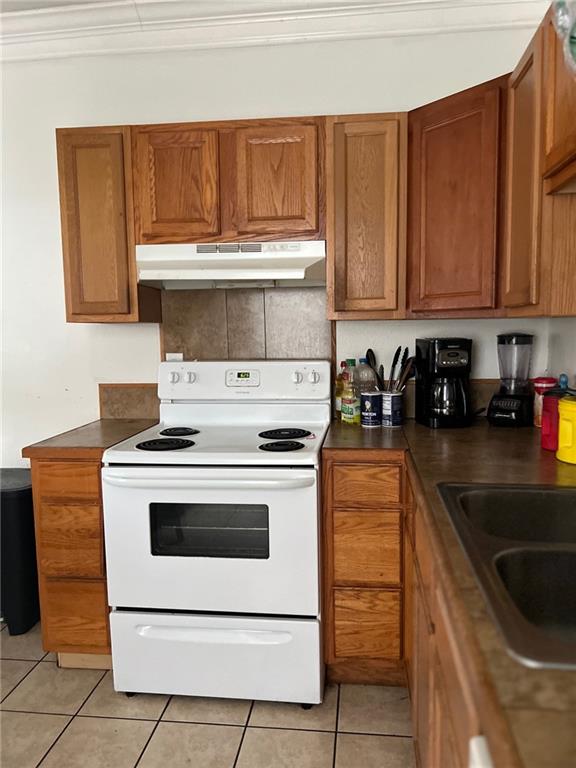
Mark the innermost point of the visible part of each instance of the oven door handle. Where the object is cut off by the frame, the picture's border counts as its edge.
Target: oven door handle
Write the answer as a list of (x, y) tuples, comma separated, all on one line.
[(213, 484), (214, 635)]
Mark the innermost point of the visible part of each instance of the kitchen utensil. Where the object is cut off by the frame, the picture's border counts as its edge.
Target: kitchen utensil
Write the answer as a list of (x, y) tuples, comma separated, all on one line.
[(371, 360), (393, 368), (381, 375), (402, 362), (405, 373)]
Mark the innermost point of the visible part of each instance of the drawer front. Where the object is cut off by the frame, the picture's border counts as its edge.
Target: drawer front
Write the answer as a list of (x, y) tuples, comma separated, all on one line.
[(69, 540), (366, 548), (67, 480), (75, 616), (367, 623), (366, 485), (232, 656)]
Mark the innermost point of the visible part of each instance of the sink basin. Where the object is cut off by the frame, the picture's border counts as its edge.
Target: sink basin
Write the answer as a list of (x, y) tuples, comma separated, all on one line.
[(521, 543), (542, 585), (540, 514)]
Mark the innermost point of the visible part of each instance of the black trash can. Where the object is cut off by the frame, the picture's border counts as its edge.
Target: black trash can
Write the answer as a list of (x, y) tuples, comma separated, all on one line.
[(19, 586)]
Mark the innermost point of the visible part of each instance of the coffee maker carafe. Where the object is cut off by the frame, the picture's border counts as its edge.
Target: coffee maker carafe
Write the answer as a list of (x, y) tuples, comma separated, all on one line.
[(513, 404), (443, 382)]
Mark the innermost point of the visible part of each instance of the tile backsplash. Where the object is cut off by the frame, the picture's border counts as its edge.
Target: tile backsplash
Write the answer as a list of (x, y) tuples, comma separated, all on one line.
[(246, 323)]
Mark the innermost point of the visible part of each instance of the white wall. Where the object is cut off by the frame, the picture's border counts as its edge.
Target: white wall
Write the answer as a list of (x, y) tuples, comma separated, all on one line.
[(563, 347), (51, 369), (353, 338)]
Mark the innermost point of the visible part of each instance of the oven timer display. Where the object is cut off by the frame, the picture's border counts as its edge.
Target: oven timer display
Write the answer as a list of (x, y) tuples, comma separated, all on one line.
[(242, 378)]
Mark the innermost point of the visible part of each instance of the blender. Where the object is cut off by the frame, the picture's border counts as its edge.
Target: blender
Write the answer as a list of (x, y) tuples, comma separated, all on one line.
[(513, 404)]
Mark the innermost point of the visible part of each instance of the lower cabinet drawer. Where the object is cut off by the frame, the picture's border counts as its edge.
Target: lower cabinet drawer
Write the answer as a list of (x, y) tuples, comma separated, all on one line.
[(367, 623), (67, 479), (69, 540), (366, 548), (74, 616)]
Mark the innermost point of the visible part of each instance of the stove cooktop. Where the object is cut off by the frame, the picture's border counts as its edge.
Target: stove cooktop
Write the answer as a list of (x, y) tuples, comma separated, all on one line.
[(221, 445)]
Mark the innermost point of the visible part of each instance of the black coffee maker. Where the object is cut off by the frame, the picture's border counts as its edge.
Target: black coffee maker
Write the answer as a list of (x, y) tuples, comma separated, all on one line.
[(443, 382)]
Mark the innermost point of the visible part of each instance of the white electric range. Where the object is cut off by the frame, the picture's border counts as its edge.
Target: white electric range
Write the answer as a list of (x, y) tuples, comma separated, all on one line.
[(211, 532)]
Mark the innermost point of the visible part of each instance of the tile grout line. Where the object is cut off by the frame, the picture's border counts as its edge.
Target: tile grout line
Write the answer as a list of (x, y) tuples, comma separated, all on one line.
[(235, 763), (149, 739), (39, 661), (57, 739), (336, 728)]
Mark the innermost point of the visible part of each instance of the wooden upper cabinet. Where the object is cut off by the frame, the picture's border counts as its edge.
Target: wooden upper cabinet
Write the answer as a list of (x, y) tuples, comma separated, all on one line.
[(277, 179), (521, 274), (453, 200), (176, 183), (366, 270), (95, 234), (559, 103), (95, 177)]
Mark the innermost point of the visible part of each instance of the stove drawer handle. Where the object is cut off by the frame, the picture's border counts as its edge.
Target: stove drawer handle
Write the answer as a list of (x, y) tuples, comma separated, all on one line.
[(216, 485), (214, 635)]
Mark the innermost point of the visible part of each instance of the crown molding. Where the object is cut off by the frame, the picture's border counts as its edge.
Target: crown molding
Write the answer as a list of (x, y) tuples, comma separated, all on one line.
[(145, 26)]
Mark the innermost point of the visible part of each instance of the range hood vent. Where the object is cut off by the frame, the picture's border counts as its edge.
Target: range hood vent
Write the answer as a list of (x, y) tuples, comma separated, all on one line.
[(230, 265)]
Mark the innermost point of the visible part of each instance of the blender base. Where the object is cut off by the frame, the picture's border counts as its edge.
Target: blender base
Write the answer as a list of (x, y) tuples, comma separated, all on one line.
[(511, 410)]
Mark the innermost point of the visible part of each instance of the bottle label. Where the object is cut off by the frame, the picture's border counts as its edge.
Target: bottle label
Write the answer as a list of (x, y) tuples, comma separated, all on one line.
[(351, 410)]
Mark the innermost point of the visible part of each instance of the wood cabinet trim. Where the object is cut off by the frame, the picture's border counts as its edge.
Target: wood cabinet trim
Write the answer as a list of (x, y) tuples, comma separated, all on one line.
[(518, 126)]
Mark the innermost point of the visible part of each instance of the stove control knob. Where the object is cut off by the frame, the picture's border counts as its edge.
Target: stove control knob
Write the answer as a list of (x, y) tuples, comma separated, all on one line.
[(190, 377), (174, 377), (313, 377), (296, 377)]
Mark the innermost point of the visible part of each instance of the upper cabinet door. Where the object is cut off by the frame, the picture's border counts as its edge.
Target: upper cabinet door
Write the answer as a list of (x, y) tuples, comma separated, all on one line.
[(97, 239), (176, 184), (453, 200), (366, 257), (524, 181), (559, 103), (277, 180)]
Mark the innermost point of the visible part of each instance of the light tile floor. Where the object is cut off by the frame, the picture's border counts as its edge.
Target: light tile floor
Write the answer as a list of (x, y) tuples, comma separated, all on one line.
[(65, 718)]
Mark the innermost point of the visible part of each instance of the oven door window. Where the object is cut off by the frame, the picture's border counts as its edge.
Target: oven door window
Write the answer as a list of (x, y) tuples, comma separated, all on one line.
[(210, 530)]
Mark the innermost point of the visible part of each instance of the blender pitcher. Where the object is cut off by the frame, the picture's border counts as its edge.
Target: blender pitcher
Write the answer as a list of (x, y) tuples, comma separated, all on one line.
[(514, 356)]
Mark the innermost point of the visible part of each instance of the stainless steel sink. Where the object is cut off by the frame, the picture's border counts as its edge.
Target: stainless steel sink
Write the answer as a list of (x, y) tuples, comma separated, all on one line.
[(523, 514), (521, 542)]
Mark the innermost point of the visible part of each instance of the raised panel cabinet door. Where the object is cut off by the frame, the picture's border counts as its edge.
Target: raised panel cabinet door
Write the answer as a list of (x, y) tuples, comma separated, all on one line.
[(453, 200), (366, 548), (524, 181), (176, 183), (366, 215), (96, 220), (277, 180), (559, 103), (367, 623)]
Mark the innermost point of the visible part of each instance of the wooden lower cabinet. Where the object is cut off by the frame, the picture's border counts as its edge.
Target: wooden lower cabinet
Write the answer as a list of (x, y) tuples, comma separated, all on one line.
[(70, 555), (444, 711), (363, 596)]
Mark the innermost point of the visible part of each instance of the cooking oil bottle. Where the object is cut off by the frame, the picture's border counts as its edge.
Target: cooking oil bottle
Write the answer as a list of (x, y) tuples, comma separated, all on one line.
[(350, 395), (339, 388)]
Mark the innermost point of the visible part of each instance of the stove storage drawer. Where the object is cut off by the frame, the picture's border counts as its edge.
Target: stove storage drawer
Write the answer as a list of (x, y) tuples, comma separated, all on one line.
[(221, 656)]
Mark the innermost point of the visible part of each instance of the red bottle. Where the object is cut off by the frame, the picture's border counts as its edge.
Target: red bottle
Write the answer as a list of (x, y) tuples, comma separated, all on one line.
[(550, 422)]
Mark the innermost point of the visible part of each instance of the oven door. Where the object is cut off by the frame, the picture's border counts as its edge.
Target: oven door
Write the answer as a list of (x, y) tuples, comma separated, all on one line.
[(212, 539)]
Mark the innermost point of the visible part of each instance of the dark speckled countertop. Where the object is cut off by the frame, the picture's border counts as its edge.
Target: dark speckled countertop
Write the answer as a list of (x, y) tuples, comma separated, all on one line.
[(539, 704)]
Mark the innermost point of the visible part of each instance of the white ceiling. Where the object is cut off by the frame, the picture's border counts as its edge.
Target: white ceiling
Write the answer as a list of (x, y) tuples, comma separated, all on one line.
[(35, 29)]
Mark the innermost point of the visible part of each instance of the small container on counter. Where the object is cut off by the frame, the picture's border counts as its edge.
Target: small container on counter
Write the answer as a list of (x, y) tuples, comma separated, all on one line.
[(567, 429), (541, 385), (371, 409), (549, 435), (392, 409)]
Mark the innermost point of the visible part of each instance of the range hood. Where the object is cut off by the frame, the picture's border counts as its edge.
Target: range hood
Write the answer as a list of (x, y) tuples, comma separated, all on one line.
[(232, 265)]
